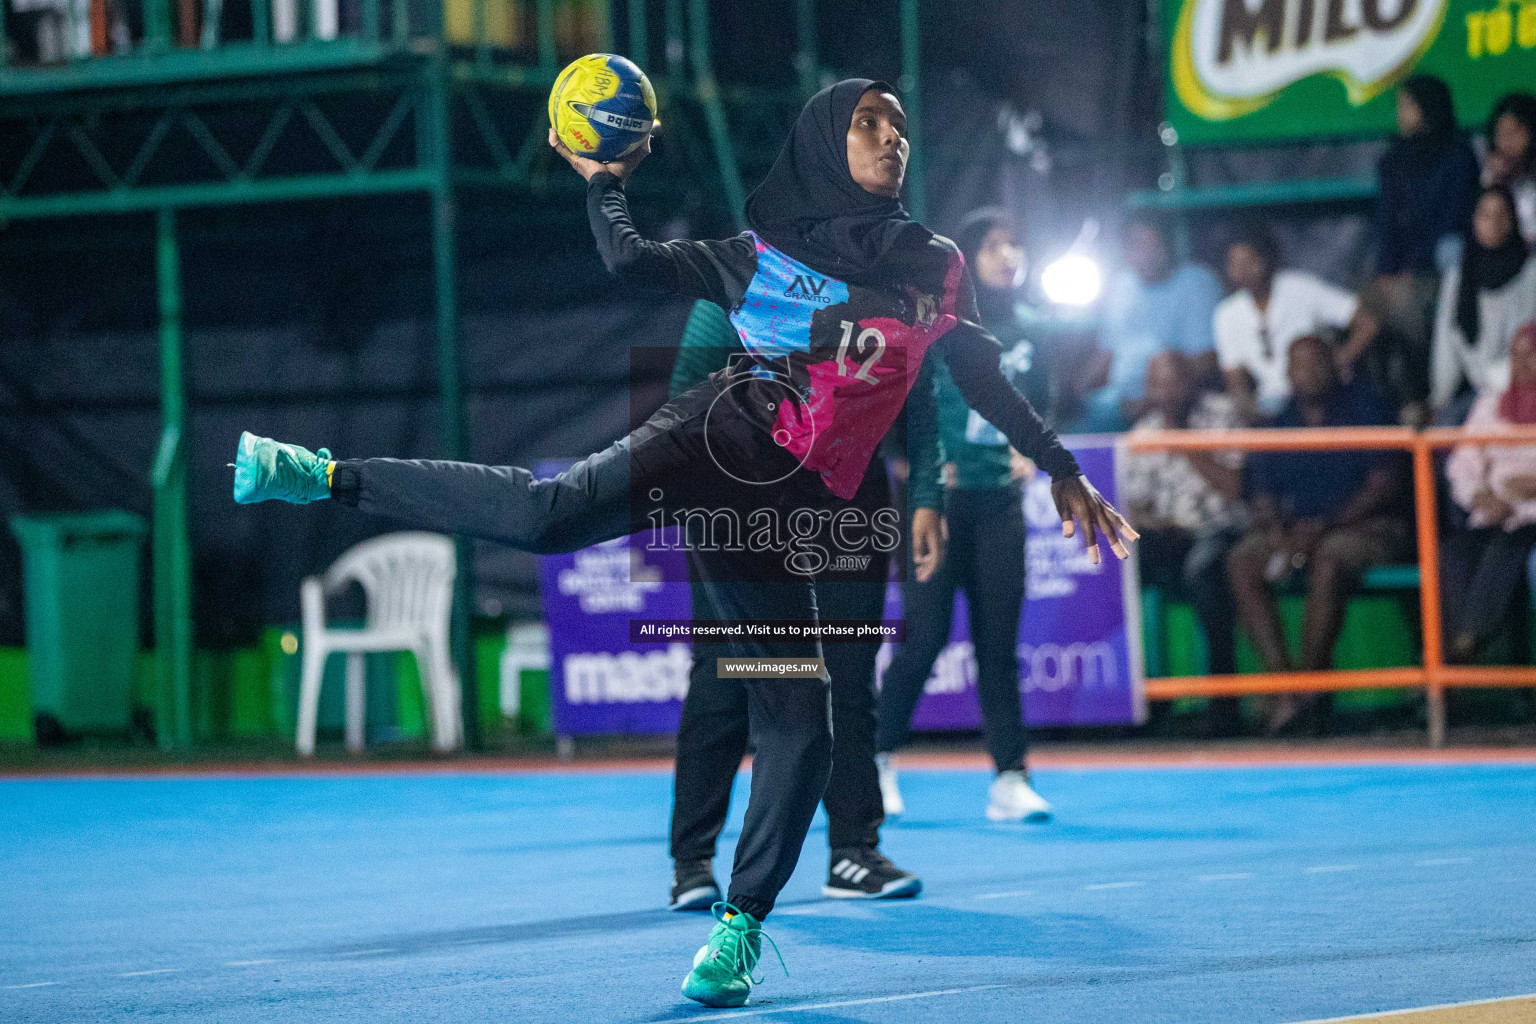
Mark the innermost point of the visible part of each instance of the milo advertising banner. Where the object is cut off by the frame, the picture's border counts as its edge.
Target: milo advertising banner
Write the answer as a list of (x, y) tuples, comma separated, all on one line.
[(1284, 69)]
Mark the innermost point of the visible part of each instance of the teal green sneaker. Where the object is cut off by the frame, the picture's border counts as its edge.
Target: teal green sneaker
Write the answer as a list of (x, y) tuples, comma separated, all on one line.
[(722, 969), (266, 469)]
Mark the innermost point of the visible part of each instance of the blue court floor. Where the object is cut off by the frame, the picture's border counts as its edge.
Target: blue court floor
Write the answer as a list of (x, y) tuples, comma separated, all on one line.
[(1256, 894)]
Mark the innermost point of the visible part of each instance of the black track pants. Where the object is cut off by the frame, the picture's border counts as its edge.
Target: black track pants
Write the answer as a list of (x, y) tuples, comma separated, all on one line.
[(671, 462), (718, 715), (985, 559)]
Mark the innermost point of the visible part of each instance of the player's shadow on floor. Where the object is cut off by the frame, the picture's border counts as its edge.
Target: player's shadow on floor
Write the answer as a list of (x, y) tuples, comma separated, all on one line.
[(890, 928), (412, 943), (929, 930), (1071, 832), (761, 1006), (561, 845), (764, 1007)]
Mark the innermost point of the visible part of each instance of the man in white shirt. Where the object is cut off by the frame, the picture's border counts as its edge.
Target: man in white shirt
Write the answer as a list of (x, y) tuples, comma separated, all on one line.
[(1271, 308)]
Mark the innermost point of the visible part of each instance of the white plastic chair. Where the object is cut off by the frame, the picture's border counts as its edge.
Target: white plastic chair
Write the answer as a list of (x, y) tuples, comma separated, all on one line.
[(407, 579), (527, 648)]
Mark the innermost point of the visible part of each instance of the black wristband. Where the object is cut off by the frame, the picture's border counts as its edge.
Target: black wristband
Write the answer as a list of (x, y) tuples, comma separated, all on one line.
[(1058, 463), (347, 483)]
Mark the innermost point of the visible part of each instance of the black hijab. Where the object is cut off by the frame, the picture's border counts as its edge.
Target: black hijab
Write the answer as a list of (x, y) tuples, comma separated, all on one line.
[(1522, 107), (810, 208), (1484, 269), (1433, 98), (994, 304)]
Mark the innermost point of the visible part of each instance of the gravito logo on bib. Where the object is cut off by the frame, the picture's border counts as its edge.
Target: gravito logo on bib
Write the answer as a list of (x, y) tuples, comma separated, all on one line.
[(808, 289), (1233, 57)]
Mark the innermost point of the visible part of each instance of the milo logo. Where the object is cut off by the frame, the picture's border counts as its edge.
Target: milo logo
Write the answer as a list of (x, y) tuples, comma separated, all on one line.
[(1232, 57)]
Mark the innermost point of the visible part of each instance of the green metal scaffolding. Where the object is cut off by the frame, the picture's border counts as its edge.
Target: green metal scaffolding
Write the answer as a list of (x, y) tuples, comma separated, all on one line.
[(477, 113)]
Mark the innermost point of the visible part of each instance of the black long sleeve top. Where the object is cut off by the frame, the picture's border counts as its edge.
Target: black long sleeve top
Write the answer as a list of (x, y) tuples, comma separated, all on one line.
[(852, 352)]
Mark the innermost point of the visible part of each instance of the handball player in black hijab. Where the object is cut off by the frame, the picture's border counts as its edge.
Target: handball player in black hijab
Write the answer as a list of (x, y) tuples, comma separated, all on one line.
[(832, 202), (837, 295)]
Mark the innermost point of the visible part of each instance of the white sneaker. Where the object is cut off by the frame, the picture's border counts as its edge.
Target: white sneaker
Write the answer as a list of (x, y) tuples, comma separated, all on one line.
[(1013, 799), (890, 792)]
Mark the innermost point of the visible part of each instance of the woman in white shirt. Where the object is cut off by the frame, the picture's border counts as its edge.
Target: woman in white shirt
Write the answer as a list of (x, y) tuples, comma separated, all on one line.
[(1271, 308), (1483, 301)]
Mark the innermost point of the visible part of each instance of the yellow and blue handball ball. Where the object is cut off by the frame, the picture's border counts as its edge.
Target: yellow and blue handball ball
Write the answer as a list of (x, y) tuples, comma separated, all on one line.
[(602, 106)]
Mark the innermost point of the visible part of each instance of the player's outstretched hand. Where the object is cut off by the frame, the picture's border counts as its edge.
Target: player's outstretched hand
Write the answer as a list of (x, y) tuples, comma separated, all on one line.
[(622, 168), (929, 534), (1083, 509)]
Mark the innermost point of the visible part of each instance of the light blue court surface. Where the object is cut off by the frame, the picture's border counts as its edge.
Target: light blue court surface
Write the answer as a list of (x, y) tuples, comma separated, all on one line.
[(1265, 894)]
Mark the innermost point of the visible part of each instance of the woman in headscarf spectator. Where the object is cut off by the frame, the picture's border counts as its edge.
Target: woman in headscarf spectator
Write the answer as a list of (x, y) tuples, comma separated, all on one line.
[(1427, 185), (1483, 300), (1511, 159), (1428, 182), (994, 252), (1480, 567)]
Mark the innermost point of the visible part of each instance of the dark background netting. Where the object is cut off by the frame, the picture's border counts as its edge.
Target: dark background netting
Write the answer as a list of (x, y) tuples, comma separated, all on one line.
[(312, 324)]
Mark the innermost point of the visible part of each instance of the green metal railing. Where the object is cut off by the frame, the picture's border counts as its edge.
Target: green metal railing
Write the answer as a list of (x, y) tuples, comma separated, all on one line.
[(177, 86), (911, 86), (1257, 193), (708, 93), (171, 544)]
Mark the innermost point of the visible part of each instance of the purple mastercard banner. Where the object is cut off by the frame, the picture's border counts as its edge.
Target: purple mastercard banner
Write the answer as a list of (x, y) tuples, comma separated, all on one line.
[(599, 682), (1079, 650)]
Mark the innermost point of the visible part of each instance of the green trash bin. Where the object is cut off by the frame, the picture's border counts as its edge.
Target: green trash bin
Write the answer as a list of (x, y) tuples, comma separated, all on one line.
[(81, 575)]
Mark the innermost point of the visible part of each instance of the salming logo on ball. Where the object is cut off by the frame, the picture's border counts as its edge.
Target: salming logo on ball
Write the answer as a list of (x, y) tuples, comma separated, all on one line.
[(612, 120), (1232, 57)]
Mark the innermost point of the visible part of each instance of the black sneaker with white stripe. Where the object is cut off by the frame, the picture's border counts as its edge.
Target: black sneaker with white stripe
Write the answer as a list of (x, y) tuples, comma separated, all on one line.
[(693, 885), (860, 874)]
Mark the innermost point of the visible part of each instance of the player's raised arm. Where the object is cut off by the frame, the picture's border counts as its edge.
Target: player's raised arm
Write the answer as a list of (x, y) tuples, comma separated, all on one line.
[(718, 271)]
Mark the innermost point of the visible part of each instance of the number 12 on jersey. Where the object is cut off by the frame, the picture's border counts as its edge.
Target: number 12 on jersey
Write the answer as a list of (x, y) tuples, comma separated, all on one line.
[(860, 345)]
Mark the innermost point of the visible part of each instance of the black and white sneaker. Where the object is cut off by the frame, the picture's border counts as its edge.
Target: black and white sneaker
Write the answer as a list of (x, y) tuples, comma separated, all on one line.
[(859, 874), (693, 885)]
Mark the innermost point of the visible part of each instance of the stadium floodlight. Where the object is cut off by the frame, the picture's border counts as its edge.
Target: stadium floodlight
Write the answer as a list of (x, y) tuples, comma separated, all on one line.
[(1072, 280)]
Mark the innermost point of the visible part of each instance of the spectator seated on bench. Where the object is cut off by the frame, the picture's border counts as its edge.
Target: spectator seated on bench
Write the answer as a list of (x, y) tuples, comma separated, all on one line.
[(1332, 515), (1481, 565), (1186, 507), (1381, 628), (1272, 307)]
